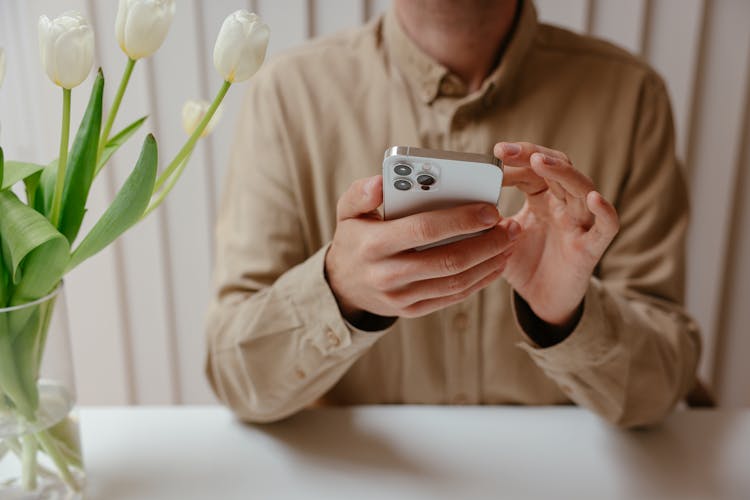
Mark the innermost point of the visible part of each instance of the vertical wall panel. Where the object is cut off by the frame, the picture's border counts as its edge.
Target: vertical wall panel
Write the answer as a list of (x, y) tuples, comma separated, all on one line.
[(288, 21), (571, 14), (731, 371), (219, 143), (330, 16), (176, 77), (620, 22), (137, 309), (218, 146), (18, 95), (141, 275), (674, 34), (93, 298), (714, 158)]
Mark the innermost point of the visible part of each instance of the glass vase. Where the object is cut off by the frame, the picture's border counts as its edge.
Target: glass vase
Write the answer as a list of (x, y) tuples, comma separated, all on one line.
[(40, 450)]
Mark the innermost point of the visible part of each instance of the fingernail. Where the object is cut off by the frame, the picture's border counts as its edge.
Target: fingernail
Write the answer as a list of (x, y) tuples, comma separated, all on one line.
[(512, 149), (549, 160), (514, 230), (488, 215)]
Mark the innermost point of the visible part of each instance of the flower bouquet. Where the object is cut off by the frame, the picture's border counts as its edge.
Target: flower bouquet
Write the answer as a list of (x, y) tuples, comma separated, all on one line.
[(41, 211)]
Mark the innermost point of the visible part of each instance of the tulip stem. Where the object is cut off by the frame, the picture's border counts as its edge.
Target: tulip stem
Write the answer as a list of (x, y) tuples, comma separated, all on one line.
[(190, 144), (62, 159), (115, 108), (159, 197)]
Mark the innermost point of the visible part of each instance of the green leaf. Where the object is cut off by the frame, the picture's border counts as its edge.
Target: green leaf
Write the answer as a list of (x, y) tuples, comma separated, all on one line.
[(126, 209), (16, 171), (2, 169), (5, 282), (32, 185), (10, 382), (81, 164), (46, 189), (35, 253), (118, 140)]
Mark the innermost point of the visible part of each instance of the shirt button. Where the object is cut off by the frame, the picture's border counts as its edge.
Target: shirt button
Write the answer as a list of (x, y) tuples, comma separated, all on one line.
[(333, 339), (300, 373), (460, 322)]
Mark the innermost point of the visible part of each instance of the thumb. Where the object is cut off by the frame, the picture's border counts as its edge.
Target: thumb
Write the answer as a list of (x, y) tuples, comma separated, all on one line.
[(363, 197)]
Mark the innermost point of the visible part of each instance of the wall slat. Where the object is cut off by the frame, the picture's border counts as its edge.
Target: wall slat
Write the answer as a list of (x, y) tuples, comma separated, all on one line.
[(219, 143), (137, 309), (733, 345), (93, 297), (571, 14), (674, 34), (288, 21), (330, 16), (620, 22), (187, 237), (714, 159), (142, 278)]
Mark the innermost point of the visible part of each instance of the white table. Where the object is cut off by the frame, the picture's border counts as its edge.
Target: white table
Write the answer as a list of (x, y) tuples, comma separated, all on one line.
[(412, 452)]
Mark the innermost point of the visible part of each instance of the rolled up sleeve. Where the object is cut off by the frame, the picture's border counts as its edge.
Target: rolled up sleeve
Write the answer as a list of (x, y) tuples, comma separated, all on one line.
[(634, 353)]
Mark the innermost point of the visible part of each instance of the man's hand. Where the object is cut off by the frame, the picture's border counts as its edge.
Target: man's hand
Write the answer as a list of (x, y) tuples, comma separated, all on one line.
[(371, 266), (567, 226)]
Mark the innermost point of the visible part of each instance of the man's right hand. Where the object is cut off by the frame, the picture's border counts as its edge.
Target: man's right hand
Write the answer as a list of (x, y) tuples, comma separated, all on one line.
[(371, 266)]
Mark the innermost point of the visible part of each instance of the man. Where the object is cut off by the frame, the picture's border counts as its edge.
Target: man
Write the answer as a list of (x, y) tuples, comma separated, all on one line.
[(568, 298)]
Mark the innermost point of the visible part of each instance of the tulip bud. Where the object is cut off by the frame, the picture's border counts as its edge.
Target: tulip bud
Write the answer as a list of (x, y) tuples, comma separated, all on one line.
[(192, 114), (66, 46), (141, 25), (241, 46), (2, 66)]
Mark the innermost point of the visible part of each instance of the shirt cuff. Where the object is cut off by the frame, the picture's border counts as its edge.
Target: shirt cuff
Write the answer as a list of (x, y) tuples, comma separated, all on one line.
[(592, 341), (313, 302)]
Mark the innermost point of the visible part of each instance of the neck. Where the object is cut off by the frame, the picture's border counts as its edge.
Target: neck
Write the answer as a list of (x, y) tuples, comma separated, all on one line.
[(466, 37)]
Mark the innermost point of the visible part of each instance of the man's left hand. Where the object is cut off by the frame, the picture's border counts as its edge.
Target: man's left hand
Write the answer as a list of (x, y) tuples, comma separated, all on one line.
[(567, 226)]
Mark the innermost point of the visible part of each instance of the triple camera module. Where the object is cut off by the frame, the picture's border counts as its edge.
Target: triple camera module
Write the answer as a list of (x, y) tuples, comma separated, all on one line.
[(404, 183)]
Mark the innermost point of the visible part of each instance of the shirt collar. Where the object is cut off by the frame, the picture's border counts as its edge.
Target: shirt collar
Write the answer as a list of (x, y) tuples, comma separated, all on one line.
[(431, 79)]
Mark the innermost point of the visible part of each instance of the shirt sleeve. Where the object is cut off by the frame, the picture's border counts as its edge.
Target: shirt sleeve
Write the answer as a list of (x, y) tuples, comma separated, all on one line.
[(634, 353), (276, 340)]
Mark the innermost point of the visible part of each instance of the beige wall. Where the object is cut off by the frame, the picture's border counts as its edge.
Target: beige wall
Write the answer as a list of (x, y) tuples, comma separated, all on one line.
[(136, 310)]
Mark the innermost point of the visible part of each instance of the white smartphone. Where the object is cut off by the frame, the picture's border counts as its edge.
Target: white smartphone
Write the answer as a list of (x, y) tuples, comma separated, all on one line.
[(418, 180)]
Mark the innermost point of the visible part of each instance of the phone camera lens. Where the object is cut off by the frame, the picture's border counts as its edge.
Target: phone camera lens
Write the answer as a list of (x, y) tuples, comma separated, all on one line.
[(425, 179), (402, 169), (402, 184)]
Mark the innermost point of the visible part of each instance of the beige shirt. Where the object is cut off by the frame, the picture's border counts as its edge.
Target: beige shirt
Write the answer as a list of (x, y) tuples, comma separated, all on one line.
[(319, 117)]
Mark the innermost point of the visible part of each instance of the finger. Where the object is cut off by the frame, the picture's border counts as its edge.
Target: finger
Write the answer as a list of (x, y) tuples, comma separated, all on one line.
[(451, 285), (606, 222), (453, 258), (566, 183), (571, 179), (524, 179), (556, 189), (518, 154), (364, 196), (424, 228), (431, 305)]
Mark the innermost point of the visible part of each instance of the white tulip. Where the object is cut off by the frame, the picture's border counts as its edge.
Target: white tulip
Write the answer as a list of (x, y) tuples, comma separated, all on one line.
[(2, 66), (193, 112), (66, 46), (141, 25), (241, 46)]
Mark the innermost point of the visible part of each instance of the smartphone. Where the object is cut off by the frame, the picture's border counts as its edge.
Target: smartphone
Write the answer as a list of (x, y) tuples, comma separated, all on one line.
[(419, 180)]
